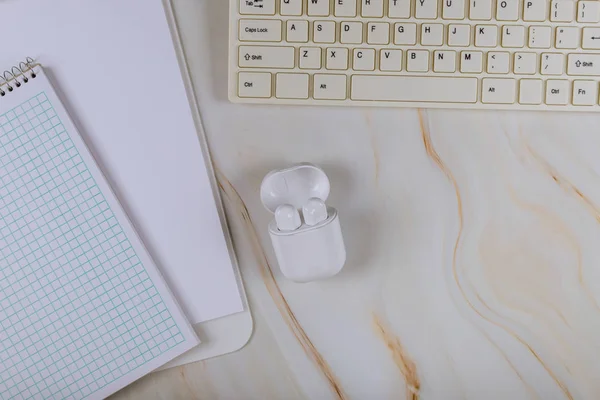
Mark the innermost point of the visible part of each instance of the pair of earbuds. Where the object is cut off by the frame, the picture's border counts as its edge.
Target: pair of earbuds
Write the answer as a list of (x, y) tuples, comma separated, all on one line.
[(305, 233), (287, 217)]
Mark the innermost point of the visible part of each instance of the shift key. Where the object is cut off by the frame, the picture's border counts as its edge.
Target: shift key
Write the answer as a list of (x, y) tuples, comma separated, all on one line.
[(583, 64), (266, 57)]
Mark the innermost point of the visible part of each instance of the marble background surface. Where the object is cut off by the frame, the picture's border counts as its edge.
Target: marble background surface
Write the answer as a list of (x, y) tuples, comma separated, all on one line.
[(473, 259)]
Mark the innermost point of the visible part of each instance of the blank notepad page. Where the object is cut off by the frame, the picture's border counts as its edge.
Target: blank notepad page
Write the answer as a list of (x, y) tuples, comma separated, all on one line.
[(83, 310)]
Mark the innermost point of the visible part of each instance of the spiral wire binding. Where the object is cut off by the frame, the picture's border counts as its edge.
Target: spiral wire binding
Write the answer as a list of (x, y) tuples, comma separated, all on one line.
[(17, 76)]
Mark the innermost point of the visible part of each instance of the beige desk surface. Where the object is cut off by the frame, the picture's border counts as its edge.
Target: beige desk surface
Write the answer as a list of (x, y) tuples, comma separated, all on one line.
[(473, 242)]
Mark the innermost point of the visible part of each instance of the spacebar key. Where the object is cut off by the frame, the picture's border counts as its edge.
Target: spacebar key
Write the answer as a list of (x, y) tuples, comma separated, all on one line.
[(414, 88)]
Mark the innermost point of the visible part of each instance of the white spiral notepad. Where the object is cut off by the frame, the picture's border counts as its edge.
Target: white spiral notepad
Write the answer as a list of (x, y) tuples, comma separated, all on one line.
[(83, 309)]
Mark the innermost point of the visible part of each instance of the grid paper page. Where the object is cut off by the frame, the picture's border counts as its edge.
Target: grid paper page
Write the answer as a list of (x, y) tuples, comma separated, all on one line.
[(83, 311)]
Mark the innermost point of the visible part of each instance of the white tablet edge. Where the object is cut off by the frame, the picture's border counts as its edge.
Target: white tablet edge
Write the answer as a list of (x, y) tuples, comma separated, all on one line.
[(230, 333)]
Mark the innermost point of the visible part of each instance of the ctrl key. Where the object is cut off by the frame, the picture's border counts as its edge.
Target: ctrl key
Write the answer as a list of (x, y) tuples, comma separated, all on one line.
[(557, 92), (254, 84)]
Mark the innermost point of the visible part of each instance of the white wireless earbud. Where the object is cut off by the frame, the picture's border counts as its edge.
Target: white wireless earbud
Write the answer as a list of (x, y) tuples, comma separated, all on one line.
[(314, 211), (287, 218)]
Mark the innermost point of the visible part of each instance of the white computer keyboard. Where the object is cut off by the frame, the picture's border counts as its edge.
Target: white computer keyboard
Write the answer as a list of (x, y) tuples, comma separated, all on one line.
[(495, 54)]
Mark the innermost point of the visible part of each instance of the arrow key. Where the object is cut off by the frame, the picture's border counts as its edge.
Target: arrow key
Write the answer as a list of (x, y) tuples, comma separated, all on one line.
[(591, 38)]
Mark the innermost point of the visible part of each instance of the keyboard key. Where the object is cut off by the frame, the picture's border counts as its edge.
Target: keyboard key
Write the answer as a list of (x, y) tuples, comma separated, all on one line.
[(459, 35), (585, 93), (324, 32), (513, 36), (562, 10), (297, 31), (291, 86), (364, 60), (471, 62), (486, 35), (557, 92), (507, 10), (588, 11), (372, 8), (390, 60), (426, 9), (525, 63), (417, 61), (337, 58), (498, 62), (345, 8), (552, 63), (540, 37), (257, 30), (351, 32), (378, 33), (567, 37), (266, 57), (290, 7), (261, 7), (453, 9), (399, 8), (310, 58), (591, 38), (318, 8), (530, 91), (535, 10), (480, 9), (583, 64), (254, 84), (414, 88), (405, 34), (498, 91), (444, 61), (329, 87), (432, 34)]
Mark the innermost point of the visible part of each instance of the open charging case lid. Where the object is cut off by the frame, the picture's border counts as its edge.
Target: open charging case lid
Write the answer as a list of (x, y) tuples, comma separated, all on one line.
[(310, 252), (295, 186)]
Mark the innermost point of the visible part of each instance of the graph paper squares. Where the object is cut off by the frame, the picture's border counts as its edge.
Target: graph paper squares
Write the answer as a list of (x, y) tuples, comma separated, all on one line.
[(77, 308)]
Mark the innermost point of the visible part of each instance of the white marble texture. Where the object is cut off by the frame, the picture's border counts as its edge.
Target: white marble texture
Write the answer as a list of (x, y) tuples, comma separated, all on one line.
[(473, 249)]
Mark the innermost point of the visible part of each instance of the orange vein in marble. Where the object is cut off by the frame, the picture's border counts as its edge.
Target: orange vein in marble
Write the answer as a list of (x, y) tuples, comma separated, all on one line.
[(564, 183), (570, 188), (185, 381), (561, 226), (269, 280), (534, 208), (432, 153), (406, 365)]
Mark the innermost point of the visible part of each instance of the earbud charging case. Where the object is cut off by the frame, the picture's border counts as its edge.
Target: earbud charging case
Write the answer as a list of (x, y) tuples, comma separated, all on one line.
[(310, 252)]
